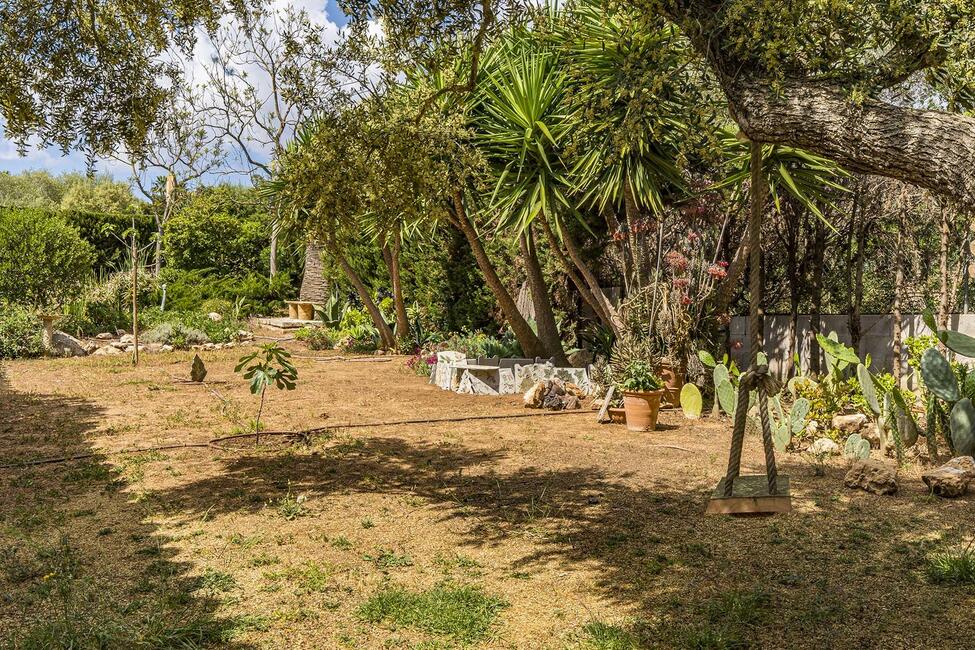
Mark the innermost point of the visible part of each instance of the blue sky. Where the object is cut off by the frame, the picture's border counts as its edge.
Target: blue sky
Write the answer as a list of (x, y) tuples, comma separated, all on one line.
[(53, 160)]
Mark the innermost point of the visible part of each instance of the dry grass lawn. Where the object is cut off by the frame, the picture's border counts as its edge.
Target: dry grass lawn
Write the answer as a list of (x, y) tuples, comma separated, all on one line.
[(547, 532)]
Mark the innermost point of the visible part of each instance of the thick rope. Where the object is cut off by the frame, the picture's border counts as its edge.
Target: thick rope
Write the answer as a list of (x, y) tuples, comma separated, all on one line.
[(757, 377)]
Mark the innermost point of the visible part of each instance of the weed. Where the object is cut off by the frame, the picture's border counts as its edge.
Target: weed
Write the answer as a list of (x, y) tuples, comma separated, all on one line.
[(341, 543), (388, 559), (367, 523), (952, 567), (603, 636), (292, 506), (464, 614), (214, 580)]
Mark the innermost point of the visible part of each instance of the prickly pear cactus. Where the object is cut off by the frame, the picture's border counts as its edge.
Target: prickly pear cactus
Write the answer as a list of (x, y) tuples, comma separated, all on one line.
[(957, 342), (798, 415), (727, 396), (857, 448), (963, 427), (938, 376), (869, 389), (691, 401), (721, 374)]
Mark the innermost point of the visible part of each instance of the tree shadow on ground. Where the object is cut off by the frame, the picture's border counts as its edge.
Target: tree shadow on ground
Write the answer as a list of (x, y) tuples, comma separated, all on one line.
[(844, 570), (79, 567)]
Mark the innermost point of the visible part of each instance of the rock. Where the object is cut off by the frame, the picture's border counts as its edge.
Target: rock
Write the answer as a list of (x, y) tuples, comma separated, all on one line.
[(229, 346), (218, 346), (126, 339), (209, 346), (580, 358), (572, 389), (89, 346), (535, 395), (166, 348), (812, 429), (871, 434), (120, 345), (151, 347), (824, 447), (445, 368), (105, 336), (198, 371), (873, 476), (244, 335), (215, 317), (951, 479), (571, 403), (107, 350), (850, 424)]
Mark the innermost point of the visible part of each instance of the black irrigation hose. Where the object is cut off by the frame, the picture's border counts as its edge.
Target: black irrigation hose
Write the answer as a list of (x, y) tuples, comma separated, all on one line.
[(216, 443)]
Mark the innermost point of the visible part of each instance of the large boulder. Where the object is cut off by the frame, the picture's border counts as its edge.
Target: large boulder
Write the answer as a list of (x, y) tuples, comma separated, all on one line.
[(951, 479), (65, 345), (535, 395), (107, 350), (873, 476), (850, 424), (824, 447)]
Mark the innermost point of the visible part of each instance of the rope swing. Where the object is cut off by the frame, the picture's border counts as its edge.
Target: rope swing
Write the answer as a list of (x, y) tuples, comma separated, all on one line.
[(756, 494)]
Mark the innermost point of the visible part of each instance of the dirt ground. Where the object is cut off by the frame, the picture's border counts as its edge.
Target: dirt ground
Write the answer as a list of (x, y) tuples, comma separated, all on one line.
[(572, 534)]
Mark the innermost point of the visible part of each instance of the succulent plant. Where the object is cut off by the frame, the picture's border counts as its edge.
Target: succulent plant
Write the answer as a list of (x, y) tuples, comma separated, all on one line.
[(962, 421), (727, 396), (857, 447), (786, 424), (691, 401)]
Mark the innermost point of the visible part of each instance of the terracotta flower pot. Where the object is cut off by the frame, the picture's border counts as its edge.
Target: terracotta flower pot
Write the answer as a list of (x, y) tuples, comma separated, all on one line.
[(617, 415), (642, 409), (673, 377)]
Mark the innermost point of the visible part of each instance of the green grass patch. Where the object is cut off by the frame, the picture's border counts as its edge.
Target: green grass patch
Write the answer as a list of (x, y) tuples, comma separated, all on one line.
[(952, 568), (463, 614), (603, 636)]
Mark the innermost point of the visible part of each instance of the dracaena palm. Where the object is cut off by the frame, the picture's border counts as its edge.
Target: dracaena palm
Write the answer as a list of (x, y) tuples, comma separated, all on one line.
[(522, 124), (810, 179), (636, 103)]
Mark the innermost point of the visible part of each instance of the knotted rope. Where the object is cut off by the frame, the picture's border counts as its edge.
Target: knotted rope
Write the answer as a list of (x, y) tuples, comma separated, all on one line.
[(757, 377)]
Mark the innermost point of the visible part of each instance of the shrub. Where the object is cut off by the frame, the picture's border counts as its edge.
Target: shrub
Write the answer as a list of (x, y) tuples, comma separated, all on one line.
[(360, 338), (222, 228), (43, 260), (176, 335), (20, 333), (222, 331), (478, 344), (421, 363), (189, 290), (639, 378), (317, 338)]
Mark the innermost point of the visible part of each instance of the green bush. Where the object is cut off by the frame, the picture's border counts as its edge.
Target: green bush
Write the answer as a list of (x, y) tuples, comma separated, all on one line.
[(479, 344), (189, 290), (176, 334), (222, 331), (20, 333), (317, 338), (43, 260), (223, 229)]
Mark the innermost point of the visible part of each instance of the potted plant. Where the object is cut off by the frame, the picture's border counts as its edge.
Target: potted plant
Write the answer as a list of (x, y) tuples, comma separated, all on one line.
[(642, 390)]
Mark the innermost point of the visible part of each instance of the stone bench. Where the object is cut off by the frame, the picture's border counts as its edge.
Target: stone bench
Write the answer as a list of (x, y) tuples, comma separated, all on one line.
[(300, 309)]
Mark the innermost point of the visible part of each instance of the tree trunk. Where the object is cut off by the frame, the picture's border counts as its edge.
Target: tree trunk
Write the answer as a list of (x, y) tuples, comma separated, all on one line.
[(531, 346), (637, 258), (385, 333), (897, 322), (597, 291), (273, 256), (402, 320), (857, 305), (815, 320), (313, 286), (548, 331), (927, 148), (944, 303), (566, 263)]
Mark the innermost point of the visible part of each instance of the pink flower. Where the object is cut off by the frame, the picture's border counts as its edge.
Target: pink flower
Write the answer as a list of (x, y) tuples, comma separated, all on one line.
[(693, 236), (681, 283), (736, 345), (723, 264), (717, 272), (676, 262), (685, 300)]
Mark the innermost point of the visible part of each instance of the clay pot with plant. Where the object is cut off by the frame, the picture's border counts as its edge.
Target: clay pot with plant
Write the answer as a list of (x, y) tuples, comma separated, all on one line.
[(642, 391)]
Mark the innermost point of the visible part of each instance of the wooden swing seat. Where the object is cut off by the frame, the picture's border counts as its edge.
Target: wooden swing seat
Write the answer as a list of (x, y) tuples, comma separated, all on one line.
[(750, 496)]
